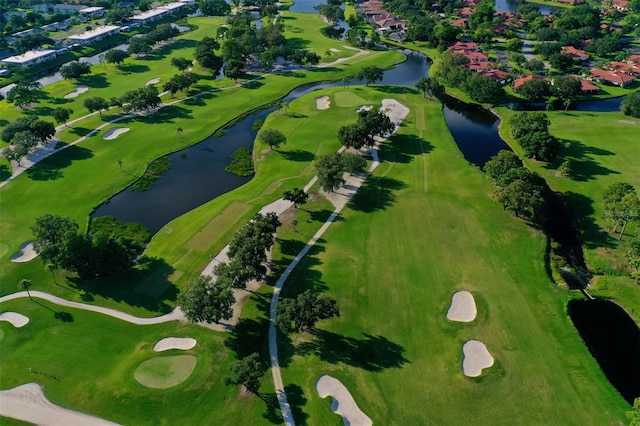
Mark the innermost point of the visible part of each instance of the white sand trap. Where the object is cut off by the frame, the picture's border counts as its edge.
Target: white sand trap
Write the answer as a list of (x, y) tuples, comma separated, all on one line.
[(476, 357), (153, 81), (17, 320), (25, 254), (364, 108), (115, 132), (323, 102), (343, 403), (183, 343), (29, 404), (80, 89), (395, 110), (463, 307), (333, 49)]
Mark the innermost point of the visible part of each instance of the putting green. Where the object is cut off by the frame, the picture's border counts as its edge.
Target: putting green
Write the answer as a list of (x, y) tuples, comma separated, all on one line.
[(165, 372), (347, 99)]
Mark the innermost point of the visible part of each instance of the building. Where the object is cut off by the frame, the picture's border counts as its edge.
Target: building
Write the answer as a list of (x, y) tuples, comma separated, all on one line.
[(42, 8), (71, 9), (629, 68), (522, 80), (588, 87), (92, 12), (30, 58), (94, 35), (613, 77), (158, 13), (578, 54)]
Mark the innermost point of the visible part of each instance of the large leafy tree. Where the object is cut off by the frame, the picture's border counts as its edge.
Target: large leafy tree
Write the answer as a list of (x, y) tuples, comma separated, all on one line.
[(303, 312), (61, 115), (499, 165), (631, 105), (535, 90), (96, 104), (330, 169), (75, 70), (272, 137), (116, 56), (483, 89), (23, 93), (523, 199), (49, 236), (430, 86), (297, 196), (370, 74), (246, 372), (206, 301)]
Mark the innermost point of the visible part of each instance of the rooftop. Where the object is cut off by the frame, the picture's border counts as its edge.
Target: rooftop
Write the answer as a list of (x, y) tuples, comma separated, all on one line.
[(95, 32), (27, 56)]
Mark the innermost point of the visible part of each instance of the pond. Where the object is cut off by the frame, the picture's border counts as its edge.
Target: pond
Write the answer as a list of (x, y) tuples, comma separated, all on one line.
[(613, 338), (512, 6)]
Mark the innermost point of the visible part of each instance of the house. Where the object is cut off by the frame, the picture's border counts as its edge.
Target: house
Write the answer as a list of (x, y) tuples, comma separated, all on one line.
[(42, 8), (92, 12), (588, 87), (520, 81), (633, 59), (460, 46), (465, 12), (498, 75), (629, 68), (571, 2), (158, 13), (476, 56), (390, 23), (481, 66), (610, 27), (20, 34), (30, 58), (92, 36), (621, 5), (578, 54), (460, 23), (71, 9), (613, 77)]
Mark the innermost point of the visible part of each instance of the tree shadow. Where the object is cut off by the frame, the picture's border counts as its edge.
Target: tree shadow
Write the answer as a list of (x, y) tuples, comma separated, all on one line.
[(133, 68), (96, 81), (125, 287), (298, 155), (297, 400), (41, 110), (60, 101), (376, 193), (585, 165), (51, 167), (168, 114), (272, 414), (298, 43), (402, 148), (371, 353), (295, 74), (253, 84), (80, 131), (63, 316), (5, 172), (593, 236)]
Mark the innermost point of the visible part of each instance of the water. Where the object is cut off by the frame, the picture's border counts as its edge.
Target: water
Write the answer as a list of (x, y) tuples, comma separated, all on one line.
[(613, 339), (512, 6), (603, 105), (306, 6), (475, 130), (196, 176)]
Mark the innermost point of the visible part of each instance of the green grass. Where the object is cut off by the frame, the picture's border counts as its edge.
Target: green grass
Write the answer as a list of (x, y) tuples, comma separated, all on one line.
[(88, 362), (603, 149), (165, 371), (92, 170), (422, 227), (156, 169)]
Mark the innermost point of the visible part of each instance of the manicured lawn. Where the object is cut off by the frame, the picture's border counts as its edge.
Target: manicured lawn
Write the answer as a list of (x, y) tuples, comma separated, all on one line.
[(78, 179), (604, 149), (87, 363), (423, 226)]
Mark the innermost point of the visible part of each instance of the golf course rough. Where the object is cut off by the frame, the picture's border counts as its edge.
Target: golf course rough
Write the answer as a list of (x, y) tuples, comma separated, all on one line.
[(165, 372)]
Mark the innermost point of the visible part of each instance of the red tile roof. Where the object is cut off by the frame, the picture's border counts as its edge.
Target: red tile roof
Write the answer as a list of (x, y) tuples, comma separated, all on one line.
[(615, 77), (520, 81), (587, 86)]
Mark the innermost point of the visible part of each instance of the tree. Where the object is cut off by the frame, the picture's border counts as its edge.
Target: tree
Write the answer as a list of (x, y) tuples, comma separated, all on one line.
[(24, 284), (631, 105), (139, 46), (523, 123), (330, 169), (370, 74), (42, 130), (116, 56), (234, 69), (634, 414), (96, 104), (353, 162), (182, 64), (566, 88), (75, 70), (374, 122), (303, 312), (246, 372), (272, 137), (540, 145), (49, 236), (144, 98), (61, 115), (514, 45), (535, 90), (615, 203), (522, 199), (566, 169), (214, 7), (501, 163), (561, 61), (483, 89), (430, 86), (297, 196), (634, 262), (23, 93), (16, 152), (629, 211), (206, 301)]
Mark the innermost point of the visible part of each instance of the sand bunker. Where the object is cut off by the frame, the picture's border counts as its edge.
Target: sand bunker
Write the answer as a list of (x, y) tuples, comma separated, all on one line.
[(183, 343), (343, 403), (476, 357), (17, 320), (463, 307), (25, 254), (28, 403), (115, 132), (80, 89), (333, 49), (395, 111), (323, 102), (165, 372), (364, 108), (153, 81)]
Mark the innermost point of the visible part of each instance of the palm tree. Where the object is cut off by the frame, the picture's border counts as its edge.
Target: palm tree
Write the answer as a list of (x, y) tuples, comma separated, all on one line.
[(24, 285), (49, 267), (179, 130)]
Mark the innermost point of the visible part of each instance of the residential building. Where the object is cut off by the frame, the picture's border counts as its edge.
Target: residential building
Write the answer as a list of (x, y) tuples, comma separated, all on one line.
[(94, 35), (30, 58), (71, 9), (93, 12), (629, 68), (621, 5), (158, 13), (520, 81), (588, 87), (578, 54), (616, 78), (42, 8)]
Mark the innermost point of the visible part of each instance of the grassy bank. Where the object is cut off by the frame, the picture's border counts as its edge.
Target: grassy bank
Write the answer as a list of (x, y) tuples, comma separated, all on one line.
[(423, 226)]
